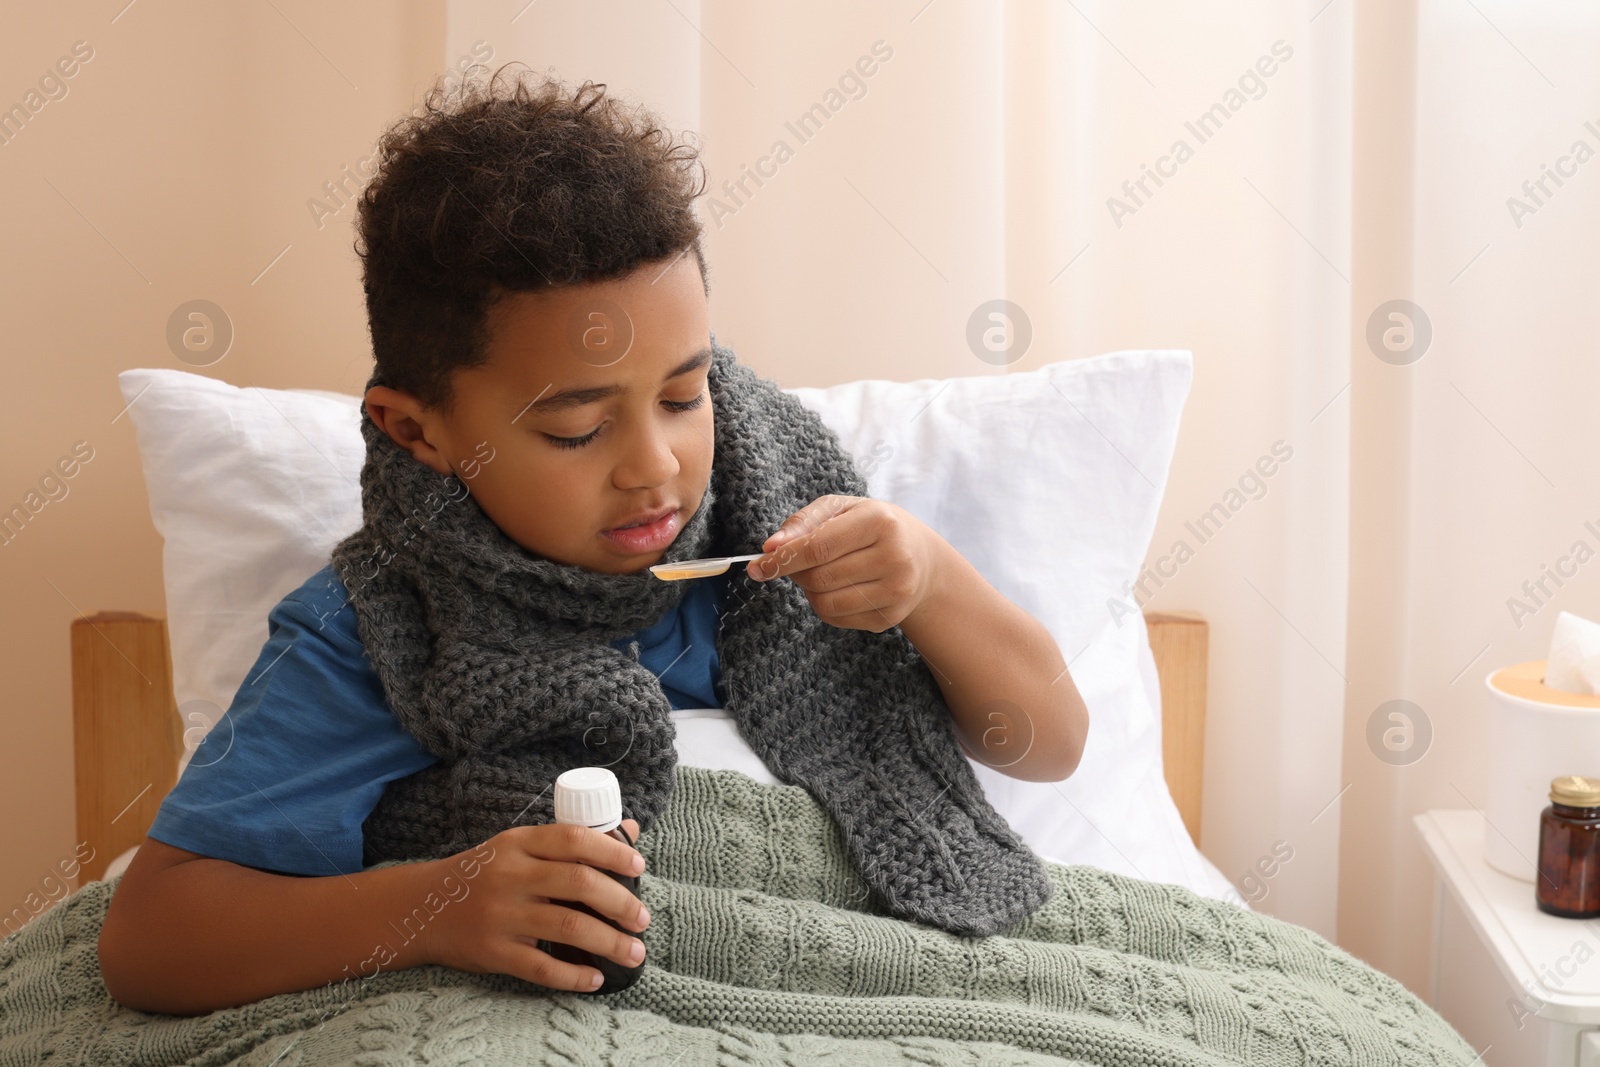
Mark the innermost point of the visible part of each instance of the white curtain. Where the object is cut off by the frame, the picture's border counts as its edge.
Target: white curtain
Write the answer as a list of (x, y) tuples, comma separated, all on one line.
[(1249, 180), (1471, 471)]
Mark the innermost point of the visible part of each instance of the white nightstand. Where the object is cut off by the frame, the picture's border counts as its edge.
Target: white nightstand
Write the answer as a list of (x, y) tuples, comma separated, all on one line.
[(1521, 985)]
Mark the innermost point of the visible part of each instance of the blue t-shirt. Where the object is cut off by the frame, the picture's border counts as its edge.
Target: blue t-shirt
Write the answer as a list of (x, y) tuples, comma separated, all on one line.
[(284, 781)]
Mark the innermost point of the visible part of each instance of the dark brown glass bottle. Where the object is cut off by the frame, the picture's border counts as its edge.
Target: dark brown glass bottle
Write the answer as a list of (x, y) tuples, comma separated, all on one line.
[(1568, 882), (590, 796)]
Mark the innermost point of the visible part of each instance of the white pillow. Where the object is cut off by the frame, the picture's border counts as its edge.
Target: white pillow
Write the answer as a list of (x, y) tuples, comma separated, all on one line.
[(250, 490), (1048, 481)]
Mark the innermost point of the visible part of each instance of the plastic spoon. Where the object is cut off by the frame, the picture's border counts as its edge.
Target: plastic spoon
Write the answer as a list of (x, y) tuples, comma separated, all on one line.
[(699, 568)]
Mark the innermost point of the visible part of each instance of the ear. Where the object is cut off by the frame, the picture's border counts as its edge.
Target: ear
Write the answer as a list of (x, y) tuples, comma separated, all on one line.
[(412, 425)]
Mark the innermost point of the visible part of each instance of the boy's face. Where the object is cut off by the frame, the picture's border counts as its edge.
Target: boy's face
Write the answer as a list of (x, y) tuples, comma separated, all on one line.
[(591, 412)]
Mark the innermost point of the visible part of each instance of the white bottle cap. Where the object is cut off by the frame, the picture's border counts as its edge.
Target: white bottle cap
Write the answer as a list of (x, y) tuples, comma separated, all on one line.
[(589, 796)]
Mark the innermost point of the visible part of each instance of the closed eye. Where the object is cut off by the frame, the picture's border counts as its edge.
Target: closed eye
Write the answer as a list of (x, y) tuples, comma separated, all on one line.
[(579, 442), (685, 405), (575, 442)]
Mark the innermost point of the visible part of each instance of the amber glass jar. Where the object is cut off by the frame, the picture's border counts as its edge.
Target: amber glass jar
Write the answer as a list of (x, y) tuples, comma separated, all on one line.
[(1569, 849)]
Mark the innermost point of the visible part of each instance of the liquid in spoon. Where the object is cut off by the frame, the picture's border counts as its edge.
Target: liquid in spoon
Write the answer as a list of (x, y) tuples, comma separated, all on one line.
[(699, 568)]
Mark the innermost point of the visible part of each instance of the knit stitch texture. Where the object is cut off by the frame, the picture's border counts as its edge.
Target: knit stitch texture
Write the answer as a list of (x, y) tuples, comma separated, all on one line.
[(497, 660), (765, 948)]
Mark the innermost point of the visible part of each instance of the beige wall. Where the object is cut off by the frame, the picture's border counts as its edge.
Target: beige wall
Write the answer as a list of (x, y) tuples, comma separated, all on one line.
[(862, 258), (177, 166), (1379, 836)]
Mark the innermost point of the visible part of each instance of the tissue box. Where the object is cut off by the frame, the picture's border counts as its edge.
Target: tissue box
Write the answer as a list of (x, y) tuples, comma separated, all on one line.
[(1536, 733)]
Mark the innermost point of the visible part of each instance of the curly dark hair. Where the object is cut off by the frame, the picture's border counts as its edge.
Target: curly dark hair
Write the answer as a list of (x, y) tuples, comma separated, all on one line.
[(510, 184)]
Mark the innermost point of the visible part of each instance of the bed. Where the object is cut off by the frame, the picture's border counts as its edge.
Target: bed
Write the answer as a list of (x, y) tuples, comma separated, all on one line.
[(1048, 481), (766, 946)]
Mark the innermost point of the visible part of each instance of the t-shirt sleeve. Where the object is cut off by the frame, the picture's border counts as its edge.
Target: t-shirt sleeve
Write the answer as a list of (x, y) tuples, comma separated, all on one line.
[(285, 779)]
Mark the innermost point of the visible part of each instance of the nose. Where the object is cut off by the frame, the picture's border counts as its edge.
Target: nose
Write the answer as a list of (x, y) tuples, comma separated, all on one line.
[(647, 459)]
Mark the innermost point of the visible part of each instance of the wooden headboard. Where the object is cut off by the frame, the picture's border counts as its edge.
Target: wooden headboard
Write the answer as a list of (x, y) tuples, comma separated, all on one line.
[(127, 735)]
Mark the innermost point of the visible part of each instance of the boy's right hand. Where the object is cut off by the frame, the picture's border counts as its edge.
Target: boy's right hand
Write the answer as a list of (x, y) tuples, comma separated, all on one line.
[(495, 927)]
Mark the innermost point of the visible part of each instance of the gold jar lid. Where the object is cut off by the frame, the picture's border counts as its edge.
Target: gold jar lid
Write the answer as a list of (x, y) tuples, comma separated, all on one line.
[(1576, 791)]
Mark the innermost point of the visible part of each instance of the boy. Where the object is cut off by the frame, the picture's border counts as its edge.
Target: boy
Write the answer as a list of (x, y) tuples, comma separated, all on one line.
[(537, 299)]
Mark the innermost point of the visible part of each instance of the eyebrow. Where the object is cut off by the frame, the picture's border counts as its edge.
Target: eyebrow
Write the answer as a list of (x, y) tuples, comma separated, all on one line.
[(572, 398)]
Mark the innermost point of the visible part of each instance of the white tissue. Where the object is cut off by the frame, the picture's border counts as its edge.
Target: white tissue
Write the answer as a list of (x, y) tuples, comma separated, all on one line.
[(1574, 661)]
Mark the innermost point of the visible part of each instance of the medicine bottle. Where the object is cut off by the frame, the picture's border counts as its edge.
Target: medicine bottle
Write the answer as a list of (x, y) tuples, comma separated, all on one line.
[(590, 796), (1568, 882)]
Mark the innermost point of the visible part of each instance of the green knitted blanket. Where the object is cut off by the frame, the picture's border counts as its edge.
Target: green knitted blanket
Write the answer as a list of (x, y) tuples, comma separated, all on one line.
[(765, 947)]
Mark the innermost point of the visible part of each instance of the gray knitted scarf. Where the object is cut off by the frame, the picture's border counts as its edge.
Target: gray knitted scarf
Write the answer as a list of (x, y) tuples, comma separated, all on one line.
[(497, 660)]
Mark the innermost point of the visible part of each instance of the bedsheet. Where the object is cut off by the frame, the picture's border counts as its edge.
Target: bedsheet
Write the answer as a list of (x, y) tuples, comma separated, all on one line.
[(708, 737), (767, 948)]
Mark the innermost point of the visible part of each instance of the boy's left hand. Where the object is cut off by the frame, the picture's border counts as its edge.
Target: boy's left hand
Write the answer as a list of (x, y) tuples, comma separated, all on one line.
[(864, 564)]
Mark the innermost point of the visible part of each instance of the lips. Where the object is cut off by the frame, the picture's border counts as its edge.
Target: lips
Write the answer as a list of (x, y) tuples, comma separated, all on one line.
[(643, 518), (645, 533)]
